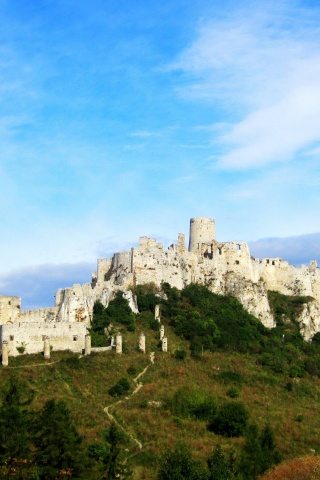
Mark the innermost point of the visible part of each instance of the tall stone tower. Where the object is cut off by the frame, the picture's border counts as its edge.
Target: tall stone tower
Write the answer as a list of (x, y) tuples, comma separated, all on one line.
[(202, 230)]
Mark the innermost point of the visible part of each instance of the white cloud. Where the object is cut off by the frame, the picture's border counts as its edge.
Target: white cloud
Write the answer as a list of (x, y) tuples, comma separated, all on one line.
[(264, 68)]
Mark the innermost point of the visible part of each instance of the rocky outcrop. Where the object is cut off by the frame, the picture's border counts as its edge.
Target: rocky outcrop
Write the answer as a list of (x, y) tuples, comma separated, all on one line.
[(309, 319)]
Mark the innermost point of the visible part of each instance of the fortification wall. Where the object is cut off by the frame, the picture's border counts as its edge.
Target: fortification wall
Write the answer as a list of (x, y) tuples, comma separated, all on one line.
[(157, 265), (30, 336), (287, 279), (225, 267), (47, 315), (103, 267), (9, 309)]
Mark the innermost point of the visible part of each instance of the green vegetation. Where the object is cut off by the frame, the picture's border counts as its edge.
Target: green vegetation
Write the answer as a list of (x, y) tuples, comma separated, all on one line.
[(231, 420), (120, 388), (257, 389)]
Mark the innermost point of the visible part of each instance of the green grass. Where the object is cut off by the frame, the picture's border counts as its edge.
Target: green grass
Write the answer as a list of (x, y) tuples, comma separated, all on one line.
[(84, 383)]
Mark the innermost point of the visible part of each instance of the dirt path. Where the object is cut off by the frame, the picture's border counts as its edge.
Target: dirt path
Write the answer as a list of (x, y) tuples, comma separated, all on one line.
[(138, 387)]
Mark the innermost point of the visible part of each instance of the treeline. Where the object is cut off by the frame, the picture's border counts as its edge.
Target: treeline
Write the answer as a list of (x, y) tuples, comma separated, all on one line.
[(45, 444), (258, 455)]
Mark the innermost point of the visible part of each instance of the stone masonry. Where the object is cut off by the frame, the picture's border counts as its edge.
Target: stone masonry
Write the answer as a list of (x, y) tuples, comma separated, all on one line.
[(226, 268)]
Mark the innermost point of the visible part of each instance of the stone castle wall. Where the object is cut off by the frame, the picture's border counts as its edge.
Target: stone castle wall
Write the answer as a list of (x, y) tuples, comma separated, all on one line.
[(30, 336), (10, 309), (224, 267)]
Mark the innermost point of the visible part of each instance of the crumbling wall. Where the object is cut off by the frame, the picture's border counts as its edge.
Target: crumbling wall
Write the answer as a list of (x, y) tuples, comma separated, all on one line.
[(29, 337), (9, 309)]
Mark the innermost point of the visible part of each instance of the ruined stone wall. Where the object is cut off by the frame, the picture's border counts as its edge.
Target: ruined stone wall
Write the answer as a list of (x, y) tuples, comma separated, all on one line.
[(9, 309), (287, 279), (30, 335), (40, 315), (103, 267), (226, 268)]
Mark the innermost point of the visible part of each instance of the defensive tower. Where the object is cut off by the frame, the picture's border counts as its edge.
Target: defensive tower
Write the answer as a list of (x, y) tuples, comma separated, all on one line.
[(202, 230)]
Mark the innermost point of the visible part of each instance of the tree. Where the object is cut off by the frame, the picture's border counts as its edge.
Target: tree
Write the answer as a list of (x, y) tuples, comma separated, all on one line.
[(108, 455), (15, 451), (250, 462), (178, 464), (219, 467), (260, 452), (270, 454), (57, 442)]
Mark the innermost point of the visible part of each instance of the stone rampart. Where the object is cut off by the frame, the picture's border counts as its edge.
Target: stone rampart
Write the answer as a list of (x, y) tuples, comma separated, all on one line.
[(28, 337)]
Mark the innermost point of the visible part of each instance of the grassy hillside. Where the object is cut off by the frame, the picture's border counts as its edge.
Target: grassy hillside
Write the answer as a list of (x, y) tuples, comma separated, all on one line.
[(272, 375)]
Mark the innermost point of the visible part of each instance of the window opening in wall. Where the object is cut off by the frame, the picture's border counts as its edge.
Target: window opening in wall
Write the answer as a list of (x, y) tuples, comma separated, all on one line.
[(9, 303), (219, 251), (75, 338), (11, 338), (237, 262), (238, 246), (273, 262), (267, 261)]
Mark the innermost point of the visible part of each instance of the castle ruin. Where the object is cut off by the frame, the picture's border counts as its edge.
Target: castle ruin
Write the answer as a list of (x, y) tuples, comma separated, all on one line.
[(226, 268)]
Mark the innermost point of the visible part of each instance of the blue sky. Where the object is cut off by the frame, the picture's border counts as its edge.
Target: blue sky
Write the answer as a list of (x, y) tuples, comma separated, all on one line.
[(120, 119)]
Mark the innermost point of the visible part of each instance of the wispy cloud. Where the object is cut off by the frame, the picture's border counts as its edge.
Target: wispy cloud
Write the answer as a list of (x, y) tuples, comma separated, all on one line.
[(265, 66)]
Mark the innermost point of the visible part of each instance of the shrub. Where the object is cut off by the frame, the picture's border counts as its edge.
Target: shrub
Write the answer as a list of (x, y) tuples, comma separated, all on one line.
[(177, 463), (233, 392), (180, 354), (230, 421), (193, 403), (229, 376), (289, 386), (120, 388), (131, 370)]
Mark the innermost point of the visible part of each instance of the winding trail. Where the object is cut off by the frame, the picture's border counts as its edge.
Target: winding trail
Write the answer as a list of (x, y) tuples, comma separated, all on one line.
[(139, 385)]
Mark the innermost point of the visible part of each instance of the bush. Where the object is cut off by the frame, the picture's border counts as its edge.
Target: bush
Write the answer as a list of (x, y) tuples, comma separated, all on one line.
[(231, 377), (193, 403), (231, 420), (131, 370), (120, 388), (180, 354), (233, 392), (177, 463)]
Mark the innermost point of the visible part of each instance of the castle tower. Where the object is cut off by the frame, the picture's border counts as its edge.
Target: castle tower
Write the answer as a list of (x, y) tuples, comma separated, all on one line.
[(202, 230)]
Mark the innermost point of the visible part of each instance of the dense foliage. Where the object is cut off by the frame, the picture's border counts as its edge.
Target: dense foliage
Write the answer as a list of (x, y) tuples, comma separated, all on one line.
[(215, 322), (231, 420), (117, 312)]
